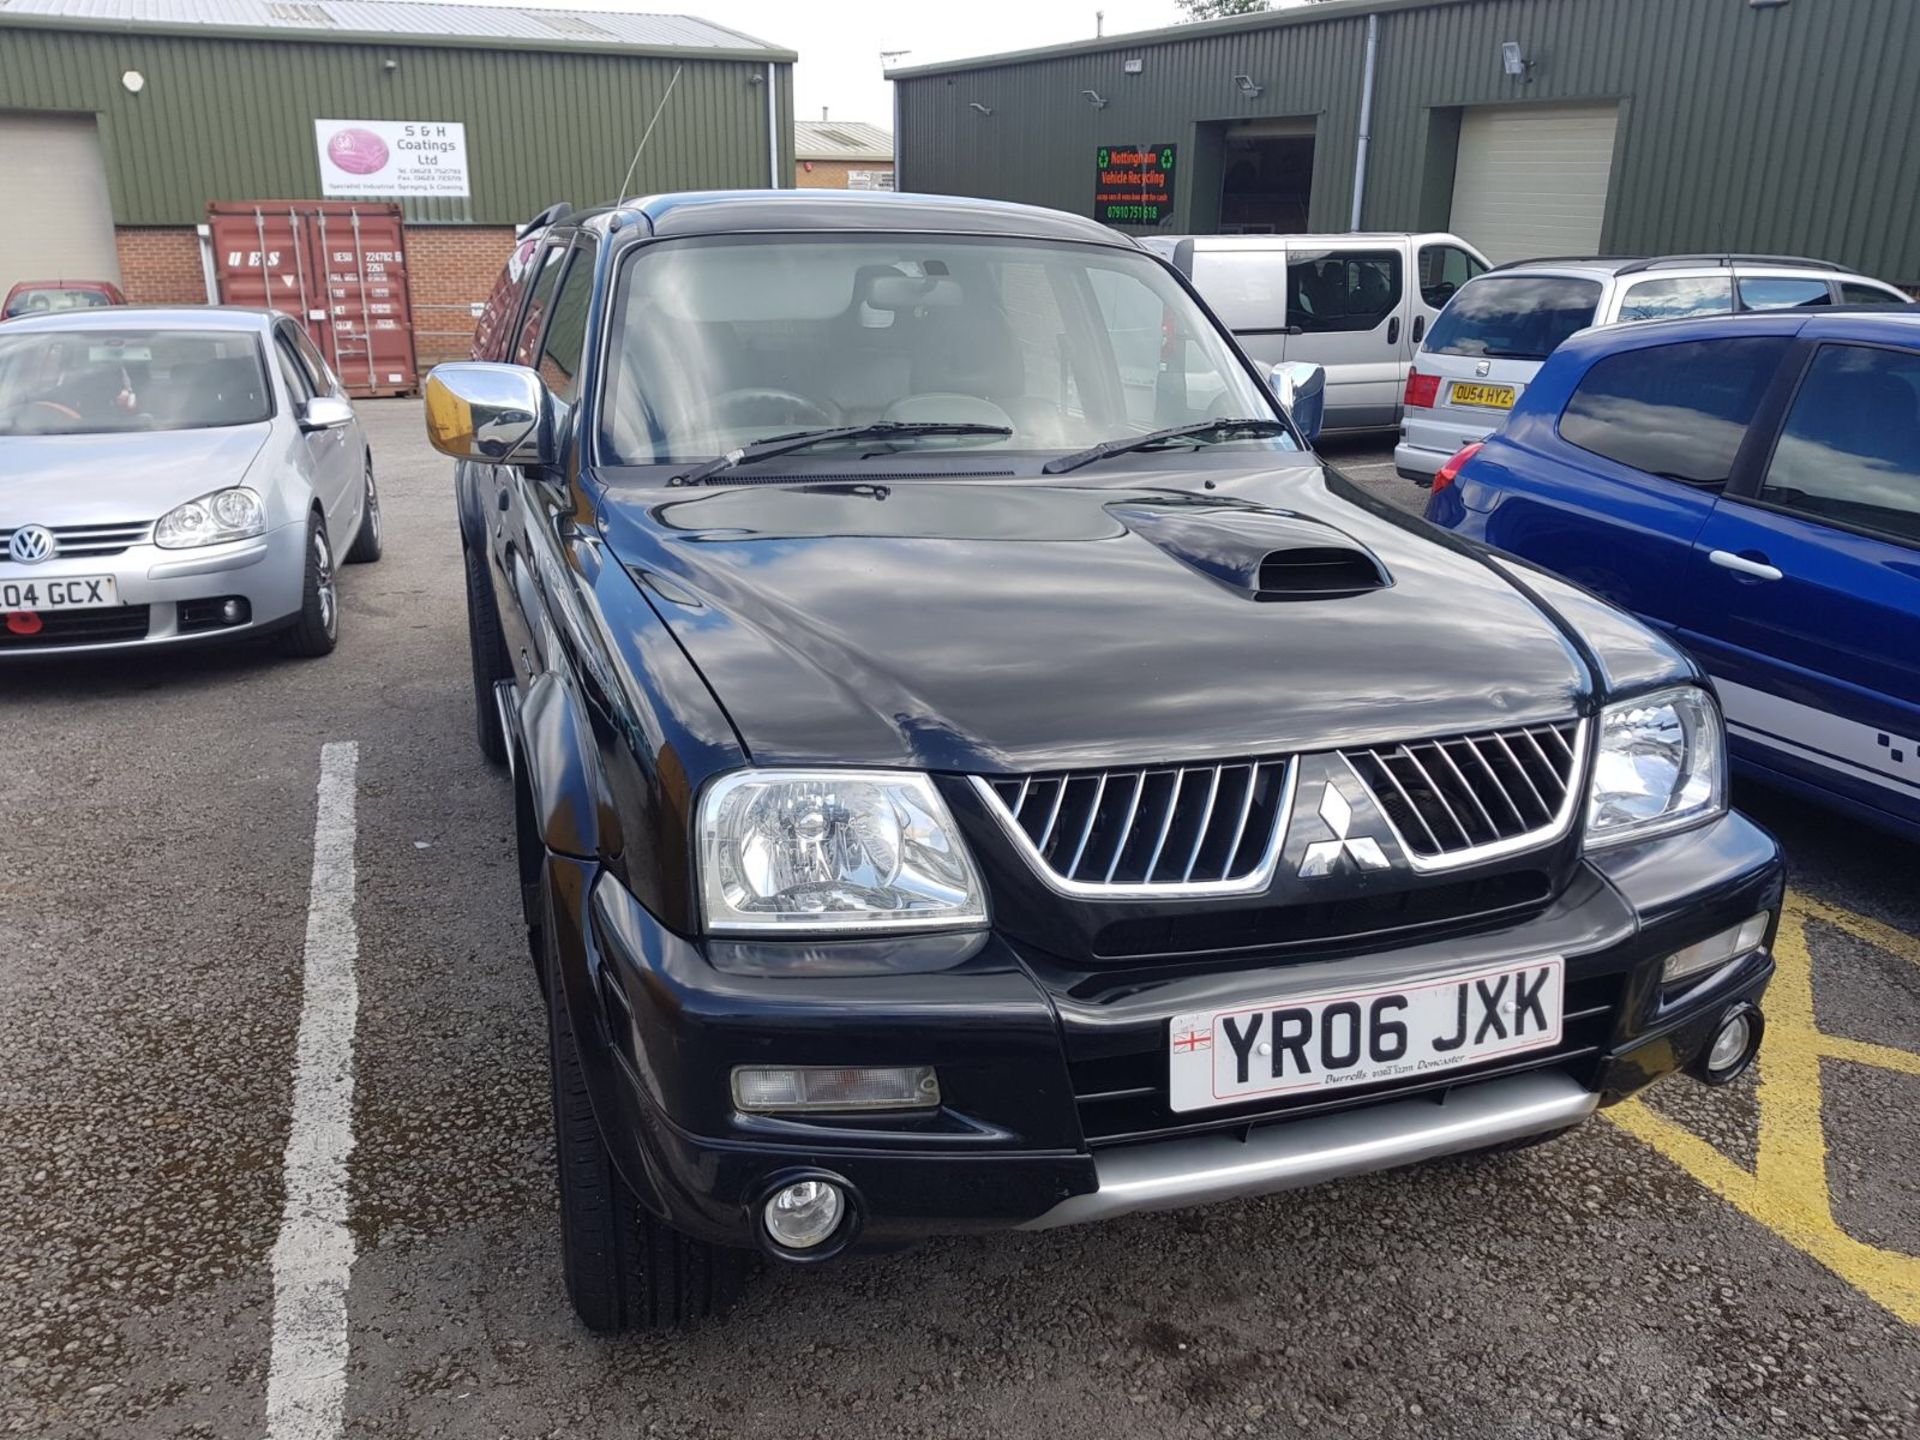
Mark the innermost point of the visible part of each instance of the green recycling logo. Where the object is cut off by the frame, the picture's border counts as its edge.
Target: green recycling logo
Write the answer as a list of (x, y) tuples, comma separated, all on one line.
[(1106, 157), (1166, 158)]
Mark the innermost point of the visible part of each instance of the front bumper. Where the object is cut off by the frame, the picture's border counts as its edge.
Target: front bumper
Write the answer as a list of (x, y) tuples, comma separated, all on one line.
[(151, 584), (1033, 1132)]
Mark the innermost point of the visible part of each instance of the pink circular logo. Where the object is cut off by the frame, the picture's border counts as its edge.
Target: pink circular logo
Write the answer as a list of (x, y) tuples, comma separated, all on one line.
[(357, 151)]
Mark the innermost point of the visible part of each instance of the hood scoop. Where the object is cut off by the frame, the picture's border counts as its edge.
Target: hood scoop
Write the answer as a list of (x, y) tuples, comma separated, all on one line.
[(1262, 554)]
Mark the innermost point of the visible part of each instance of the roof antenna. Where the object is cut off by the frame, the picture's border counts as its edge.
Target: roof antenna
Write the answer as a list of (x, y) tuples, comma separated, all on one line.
[(621, 194)]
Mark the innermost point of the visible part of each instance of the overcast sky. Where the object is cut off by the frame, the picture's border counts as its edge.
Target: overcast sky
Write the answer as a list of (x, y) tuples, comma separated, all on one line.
[(840, 40)]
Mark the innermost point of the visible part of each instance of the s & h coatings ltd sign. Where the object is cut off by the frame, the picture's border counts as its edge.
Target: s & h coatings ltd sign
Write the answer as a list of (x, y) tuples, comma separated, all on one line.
[(1133, 184), (391, 157)]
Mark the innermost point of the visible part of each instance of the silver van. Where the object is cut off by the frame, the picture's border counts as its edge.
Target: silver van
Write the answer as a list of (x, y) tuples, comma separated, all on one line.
[(1486, 349), (1357, 305)]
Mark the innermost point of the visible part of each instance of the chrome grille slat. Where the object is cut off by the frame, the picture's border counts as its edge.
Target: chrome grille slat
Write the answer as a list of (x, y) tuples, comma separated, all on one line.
[(85, 540), (1151, 829), (1471, 791)]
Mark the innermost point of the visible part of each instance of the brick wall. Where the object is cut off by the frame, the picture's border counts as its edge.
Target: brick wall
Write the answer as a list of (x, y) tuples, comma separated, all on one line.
[(832, 174), (161, 266), (450, 269)]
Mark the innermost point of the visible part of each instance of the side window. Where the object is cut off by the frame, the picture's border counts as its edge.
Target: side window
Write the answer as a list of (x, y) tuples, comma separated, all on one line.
[(1678, 298), (1443, 270), (1336, 293), (1760, 292), (1853, 292), (324, 382), (292, 369), (494, 327), (565, 346), (1850, 450), (1676, 411), (526, 345)]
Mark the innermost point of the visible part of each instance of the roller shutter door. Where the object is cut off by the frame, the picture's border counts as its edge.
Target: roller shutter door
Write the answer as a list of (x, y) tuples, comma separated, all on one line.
[(61, 225), (1531, 180)]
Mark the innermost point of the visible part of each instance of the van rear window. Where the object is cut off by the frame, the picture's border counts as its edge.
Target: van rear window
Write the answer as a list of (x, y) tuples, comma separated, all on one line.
[(1513, 317)]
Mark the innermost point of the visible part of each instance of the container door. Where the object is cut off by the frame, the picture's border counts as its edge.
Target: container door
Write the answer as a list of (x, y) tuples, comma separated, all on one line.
[(1346, 310), (367, 332)]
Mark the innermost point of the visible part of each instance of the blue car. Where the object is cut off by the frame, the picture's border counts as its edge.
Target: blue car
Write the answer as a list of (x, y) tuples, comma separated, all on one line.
[(1751, 485)]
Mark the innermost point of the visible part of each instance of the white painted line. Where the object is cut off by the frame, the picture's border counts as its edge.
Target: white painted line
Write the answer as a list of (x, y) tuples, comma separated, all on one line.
[(307, 1375)]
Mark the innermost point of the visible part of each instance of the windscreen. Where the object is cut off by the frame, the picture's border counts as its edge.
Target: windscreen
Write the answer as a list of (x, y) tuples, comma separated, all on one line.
[(1513, 317), (718, 343), (92, 382), (45, 299)]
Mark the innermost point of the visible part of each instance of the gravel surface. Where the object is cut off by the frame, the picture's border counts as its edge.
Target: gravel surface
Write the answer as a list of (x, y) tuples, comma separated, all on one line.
[(155, 834)]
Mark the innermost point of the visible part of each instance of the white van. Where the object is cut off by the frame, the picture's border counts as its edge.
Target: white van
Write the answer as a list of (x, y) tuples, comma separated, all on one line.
[(1358, 304)]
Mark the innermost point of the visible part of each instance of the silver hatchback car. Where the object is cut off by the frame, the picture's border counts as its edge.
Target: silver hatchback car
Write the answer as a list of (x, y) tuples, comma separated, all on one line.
[(169, 476)]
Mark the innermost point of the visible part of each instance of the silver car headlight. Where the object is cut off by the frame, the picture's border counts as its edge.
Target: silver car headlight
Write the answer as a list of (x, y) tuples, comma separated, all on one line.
[(1661, 764), (234, 514), (833, 850)]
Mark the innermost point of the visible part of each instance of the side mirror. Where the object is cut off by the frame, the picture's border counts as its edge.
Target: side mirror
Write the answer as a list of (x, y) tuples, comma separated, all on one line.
[(1302, 391), (488, 413), (325, 412)]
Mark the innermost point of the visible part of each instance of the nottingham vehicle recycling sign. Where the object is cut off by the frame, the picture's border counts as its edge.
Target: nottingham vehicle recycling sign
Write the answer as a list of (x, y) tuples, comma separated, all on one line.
[(391, 157), (1133, 185)]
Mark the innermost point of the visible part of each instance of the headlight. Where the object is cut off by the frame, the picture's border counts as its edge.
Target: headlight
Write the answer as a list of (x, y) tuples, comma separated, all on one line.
[(1662, 763), (859, 850), (232, 514)]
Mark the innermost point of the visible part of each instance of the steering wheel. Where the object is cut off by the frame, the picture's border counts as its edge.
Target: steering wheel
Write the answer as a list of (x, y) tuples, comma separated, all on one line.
[(26, 408), (759, 405)]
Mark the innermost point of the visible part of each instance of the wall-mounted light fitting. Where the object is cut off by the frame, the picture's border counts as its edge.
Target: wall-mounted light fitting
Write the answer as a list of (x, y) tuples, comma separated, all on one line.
[(976, 105), (389, 65), (1244, 83), (1095, 99), (1513, 59), (1133, 65), (134, 82)]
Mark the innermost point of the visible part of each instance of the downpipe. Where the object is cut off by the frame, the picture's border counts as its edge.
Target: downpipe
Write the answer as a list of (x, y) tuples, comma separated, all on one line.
[(1366, 123)]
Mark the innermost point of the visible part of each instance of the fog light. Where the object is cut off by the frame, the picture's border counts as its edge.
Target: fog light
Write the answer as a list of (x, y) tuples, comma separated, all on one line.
[(1734, 1044), (1716, 950), (232, 612), (767, 1088), (802, 1215)]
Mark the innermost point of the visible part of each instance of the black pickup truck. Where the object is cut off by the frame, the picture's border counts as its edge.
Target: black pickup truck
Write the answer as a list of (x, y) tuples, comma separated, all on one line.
[(975, 768)]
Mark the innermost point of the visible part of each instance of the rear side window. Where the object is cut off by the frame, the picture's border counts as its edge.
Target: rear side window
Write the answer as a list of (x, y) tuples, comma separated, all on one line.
[(1676, 411), (494, 328), (1443, 270), (1850, 450), (526, 347), (1246, 289), (1332, 292), (1854, 293), (1759, 292), (1514, 317), (565, 345), (1678, 297)]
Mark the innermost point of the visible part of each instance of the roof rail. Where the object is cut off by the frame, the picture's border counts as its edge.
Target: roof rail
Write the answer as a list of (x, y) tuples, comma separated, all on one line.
[(1661, 261), (552, 215), (1569, 260)]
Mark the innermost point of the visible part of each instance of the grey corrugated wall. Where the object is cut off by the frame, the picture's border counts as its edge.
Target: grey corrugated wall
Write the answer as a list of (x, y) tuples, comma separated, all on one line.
[(232, 119), (1788, 128)]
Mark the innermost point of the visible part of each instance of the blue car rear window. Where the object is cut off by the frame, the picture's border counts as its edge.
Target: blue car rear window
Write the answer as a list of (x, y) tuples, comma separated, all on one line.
[(1514, 317)]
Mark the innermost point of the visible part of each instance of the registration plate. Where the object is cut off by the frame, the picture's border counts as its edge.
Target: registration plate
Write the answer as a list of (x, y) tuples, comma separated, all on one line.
[(69, 592), (1487, 397), (1362, 1036)]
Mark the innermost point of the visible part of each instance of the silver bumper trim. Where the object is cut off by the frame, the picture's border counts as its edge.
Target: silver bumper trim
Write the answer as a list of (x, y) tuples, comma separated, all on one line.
[(1291, 1154)]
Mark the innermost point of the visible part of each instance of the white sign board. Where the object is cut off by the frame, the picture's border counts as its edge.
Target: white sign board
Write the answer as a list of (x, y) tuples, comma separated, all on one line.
[(391, 157)]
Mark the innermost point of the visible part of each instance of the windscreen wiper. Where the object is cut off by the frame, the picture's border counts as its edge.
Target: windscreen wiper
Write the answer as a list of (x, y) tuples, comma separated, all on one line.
[(801, 439), (1201, 430)]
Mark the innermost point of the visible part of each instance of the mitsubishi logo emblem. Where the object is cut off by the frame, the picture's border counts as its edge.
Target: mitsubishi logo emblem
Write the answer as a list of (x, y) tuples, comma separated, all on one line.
[(1323, 855), (31, 544)]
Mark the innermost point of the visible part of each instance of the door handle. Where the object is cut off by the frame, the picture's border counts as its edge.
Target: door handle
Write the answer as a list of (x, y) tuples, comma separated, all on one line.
[(505, 500), (1393, 331), (1419, 328), (1741, 565)]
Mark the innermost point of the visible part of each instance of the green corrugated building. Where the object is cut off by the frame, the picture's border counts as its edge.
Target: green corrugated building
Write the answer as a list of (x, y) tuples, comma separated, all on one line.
[(121, 120), (1529, 126)]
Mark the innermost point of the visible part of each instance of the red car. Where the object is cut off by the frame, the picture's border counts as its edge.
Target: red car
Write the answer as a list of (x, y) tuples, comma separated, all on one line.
[(41, 297)]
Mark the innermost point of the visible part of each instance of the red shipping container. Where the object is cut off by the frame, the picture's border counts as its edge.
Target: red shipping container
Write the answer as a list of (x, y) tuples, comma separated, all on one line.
[(337, 266)]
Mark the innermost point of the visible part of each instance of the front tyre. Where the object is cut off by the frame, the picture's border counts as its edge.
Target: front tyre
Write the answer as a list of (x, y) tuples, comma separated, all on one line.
[(316, 629), (366, 545), (625, 1270)]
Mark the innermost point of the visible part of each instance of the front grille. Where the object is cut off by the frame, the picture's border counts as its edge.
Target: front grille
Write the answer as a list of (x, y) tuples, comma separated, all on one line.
[(102, 626), (1207, 826), (1122, 1097), (83, 540), (1451, 796)]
